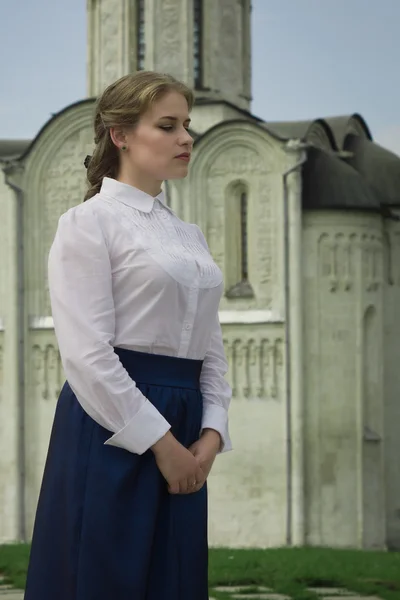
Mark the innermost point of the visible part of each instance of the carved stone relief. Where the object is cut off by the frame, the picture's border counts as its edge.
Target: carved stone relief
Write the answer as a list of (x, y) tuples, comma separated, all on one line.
[(392, 257), (243, 165), (215, 200), (239, 368), (388, 258), (38, 370), (253, 378), (109, 46), (169, 39), (112, 42), (265, 229), (230, 35), (47, 376), (371, 248), (53, 373), (337, 255), (64, 186), (265, 366), (256, 367), (237, 161)]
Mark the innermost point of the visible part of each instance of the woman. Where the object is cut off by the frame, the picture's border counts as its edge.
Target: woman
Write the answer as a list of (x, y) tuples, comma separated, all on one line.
[(122, 513)]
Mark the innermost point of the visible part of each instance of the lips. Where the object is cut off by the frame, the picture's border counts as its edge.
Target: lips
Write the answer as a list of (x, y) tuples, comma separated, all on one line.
[(185, 156)]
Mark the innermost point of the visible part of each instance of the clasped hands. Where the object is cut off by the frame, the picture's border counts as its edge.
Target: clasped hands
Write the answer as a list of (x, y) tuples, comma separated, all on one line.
[(186, 470)]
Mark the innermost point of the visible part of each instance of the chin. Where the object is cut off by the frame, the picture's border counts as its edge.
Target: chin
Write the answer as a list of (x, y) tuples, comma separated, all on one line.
[(178, 173)]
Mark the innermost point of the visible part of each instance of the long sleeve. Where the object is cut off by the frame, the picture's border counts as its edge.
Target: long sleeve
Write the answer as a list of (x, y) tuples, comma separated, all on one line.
[(80, 283), (215, 389)]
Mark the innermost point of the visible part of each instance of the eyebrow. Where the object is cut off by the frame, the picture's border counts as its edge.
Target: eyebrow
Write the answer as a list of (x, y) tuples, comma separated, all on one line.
[(175, 119)]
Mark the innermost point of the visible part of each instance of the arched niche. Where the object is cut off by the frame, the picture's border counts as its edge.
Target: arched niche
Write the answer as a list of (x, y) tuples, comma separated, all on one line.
[(54, 180)]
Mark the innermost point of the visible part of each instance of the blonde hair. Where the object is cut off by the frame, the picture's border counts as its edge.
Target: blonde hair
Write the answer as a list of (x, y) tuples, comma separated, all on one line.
[(121, 105)]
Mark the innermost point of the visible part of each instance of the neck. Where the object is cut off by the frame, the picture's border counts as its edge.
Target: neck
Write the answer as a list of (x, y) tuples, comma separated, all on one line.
[(140, 181)]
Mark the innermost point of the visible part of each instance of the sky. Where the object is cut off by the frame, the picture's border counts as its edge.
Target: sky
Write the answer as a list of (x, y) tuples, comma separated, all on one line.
[(310, 59)]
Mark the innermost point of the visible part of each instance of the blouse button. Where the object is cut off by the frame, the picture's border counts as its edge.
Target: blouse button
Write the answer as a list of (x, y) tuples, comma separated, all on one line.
[(188, 326)]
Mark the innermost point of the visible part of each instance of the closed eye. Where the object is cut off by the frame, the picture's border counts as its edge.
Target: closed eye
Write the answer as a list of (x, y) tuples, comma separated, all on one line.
[(171, 127)]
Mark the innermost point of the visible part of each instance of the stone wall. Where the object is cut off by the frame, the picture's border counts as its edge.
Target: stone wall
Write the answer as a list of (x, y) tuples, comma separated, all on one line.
[(10, 450), (391, 373), (344, 281), (169, 45), (345, 492), (248, 487), (112, 42)]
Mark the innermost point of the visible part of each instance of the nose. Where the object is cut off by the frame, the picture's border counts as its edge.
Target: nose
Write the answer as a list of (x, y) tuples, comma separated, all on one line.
[(186, 139)]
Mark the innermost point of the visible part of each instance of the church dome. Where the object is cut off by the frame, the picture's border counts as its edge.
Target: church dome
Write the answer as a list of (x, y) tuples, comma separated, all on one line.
[(330, 183), (379, 167)]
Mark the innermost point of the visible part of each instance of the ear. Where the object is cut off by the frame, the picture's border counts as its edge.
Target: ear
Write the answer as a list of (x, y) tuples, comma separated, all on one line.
[(118, 137)]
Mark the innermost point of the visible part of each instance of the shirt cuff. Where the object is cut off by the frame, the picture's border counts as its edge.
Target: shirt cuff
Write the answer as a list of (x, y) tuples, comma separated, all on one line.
[(216, 417), (142, 431)]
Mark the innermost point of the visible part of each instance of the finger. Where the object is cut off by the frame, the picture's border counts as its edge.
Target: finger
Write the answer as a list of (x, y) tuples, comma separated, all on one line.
[(198, 487), (192, 485), (200, 475), (173, 488), (206, 470), (193, 448), (183, 486)]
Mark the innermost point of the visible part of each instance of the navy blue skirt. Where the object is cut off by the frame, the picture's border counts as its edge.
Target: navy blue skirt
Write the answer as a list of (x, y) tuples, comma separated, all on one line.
[(106, 527)]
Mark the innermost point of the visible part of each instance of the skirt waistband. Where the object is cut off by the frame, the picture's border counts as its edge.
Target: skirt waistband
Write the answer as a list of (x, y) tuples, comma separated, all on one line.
[(157, 369)]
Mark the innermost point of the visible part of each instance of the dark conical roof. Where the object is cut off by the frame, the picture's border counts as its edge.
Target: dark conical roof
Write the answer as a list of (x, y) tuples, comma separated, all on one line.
[(10, 149), (330, 183), (379, 167)]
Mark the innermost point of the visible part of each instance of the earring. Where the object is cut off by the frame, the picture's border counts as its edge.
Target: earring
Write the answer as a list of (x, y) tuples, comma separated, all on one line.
[(123, 147)]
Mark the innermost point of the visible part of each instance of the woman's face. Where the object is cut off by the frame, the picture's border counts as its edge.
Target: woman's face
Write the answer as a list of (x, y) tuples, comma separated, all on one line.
[(159, 147)]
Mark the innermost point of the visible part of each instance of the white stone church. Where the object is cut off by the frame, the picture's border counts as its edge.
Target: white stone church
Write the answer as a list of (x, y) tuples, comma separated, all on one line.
[(303, 218)]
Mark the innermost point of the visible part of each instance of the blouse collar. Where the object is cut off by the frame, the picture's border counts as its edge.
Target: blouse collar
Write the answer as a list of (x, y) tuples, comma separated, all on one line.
[(130, 195)]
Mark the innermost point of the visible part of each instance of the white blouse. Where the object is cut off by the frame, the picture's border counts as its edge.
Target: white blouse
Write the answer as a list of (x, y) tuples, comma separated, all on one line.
[(125, 271)]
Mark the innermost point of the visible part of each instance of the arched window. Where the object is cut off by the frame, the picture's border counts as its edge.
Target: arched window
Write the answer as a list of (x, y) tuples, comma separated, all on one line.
[(237, 242), (243, 237), (141, 45), (198, 42)]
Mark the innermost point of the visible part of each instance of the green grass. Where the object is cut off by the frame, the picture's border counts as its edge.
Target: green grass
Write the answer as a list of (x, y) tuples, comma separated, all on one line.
[(288, 570), (291, 570), (14, 563)]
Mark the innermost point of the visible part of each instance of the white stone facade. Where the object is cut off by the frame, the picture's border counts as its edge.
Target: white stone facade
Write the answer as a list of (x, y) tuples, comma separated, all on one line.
[(113, 36), (313, 347), (343, 416)]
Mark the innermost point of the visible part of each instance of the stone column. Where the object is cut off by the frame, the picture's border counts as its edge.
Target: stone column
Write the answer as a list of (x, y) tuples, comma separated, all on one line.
[(169, 38), (224, 48), (11, 463), (294, 354), (112, 45)]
